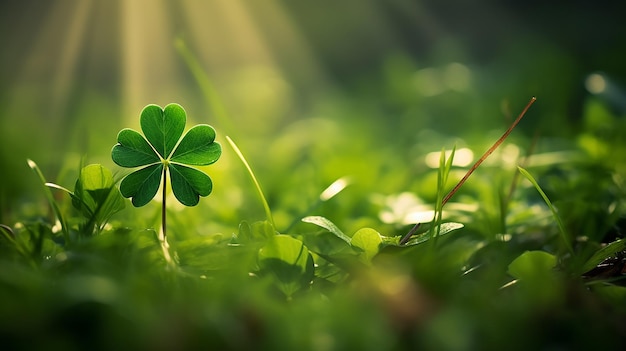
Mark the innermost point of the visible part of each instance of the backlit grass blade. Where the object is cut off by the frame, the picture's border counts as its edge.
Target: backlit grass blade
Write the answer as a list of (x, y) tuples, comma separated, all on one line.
[(602, 254), (266, 206), (564, 235), (50, 198), (442, 179)]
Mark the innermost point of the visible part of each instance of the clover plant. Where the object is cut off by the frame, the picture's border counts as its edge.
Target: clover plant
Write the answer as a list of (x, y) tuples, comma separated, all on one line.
[(161, 149)]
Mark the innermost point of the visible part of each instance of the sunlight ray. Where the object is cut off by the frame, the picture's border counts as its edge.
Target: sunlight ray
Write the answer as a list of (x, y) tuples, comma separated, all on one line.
[(232, 34), (148, 68), (65, 27)]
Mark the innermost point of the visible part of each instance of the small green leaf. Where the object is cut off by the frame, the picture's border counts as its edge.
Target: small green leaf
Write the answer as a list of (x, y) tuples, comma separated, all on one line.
[(132, 150), (328, 225), (289, 262), (142, 185), (532, 265), (95, 194), (369, 241), (257, 231), (188, 184), (197, 147), (163, 128), (95, 176), (262, 230)]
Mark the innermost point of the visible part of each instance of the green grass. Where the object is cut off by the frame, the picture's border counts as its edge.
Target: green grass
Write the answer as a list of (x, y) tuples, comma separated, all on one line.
[(330, 272)]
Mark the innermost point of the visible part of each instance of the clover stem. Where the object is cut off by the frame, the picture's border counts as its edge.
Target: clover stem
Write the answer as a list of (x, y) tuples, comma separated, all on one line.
[(163, 212), (164, 245)]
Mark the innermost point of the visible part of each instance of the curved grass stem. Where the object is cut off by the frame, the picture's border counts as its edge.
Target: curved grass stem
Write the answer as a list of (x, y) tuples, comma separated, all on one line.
[(557, 218), (55, 208), (268, 212)]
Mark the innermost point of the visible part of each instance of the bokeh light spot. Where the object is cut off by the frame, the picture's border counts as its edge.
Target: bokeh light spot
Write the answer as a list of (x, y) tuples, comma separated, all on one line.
[(595, 83), (462, 158), (457, 76), (428, 82)]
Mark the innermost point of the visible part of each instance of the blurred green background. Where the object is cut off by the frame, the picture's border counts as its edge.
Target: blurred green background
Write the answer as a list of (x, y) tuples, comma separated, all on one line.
[(300, 80), (366, 91)]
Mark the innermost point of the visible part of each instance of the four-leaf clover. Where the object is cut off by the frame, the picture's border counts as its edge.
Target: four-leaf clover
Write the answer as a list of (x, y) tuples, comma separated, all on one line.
[(163, 150)]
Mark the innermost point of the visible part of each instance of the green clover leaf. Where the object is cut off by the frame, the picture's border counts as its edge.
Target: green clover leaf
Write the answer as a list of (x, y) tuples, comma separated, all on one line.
[(163, 150)]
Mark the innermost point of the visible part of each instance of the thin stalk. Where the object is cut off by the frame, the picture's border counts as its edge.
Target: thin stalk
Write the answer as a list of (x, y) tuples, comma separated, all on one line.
[(557, 218), (55, 208), (165, 246), (442, 179), (164, 203), (266, 206), (476, 165), (489, 151)]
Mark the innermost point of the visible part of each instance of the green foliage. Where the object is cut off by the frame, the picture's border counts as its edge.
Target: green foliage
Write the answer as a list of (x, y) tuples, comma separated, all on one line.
[(442, 179), (328, 225), (564, 236), (96, 196), (288, 261), (368, 241), (88, 272), (255, 232), (268, 212), (532, 265), (442, 229), (51, 201), (602, 254), (161, 150), (365, 243)]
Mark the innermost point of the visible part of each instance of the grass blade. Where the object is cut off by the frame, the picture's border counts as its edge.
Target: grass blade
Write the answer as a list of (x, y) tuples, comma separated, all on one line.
[(564, 235), (602, 254), (442, 179), (266, 206), (50, 198)]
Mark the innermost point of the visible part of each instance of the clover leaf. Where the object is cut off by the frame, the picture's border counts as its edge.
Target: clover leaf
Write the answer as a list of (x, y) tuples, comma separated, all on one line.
[(163, 150)]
